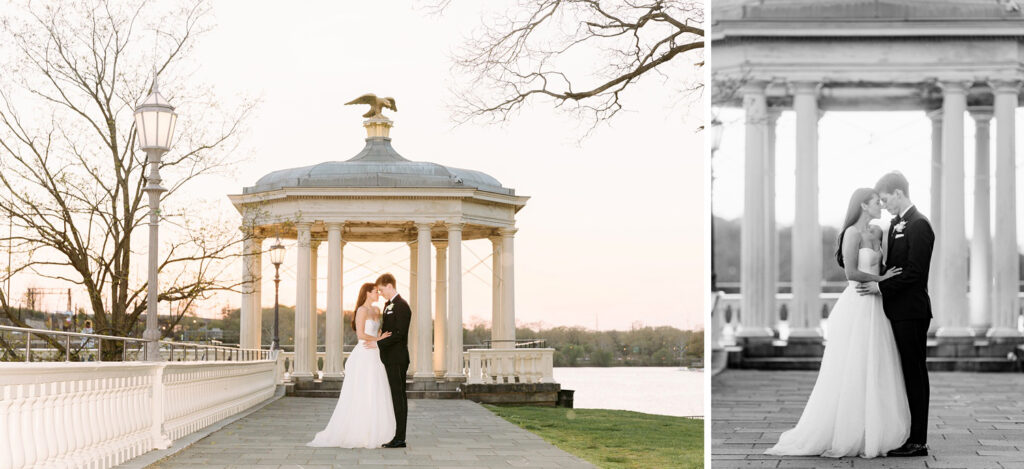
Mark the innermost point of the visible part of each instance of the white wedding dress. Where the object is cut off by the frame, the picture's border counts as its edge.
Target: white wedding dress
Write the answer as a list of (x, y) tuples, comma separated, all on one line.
[(364, 416), (859, 403)]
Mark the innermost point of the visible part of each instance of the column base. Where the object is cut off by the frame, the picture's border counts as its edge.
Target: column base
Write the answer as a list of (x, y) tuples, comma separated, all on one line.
[(979, 330), (420, 376), (953, 332), (439, 374), (302, 376), (455, 378), (1003, 332), (747, 332), (334, 376), (805, 334)]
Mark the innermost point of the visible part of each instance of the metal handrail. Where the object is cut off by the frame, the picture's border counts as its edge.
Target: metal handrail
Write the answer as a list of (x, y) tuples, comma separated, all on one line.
[(219, 352)]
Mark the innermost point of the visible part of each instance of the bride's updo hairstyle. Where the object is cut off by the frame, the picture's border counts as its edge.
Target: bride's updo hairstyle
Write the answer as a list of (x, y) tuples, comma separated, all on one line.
[(860, 196), (363, 291)]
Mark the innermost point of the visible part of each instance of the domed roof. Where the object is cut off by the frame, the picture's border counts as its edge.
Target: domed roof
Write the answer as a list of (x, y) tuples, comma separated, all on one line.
[(895, 10), (378, 165)]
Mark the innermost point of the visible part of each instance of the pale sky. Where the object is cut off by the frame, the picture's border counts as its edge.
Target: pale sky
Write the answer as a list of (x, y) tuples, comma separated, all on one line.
[(854, 150), (612, 233)]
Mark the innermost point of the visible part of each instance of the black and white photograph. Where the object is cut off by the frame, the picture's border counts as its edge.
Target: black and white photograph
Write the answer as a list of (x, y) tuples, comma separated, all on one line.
[(865, 266)]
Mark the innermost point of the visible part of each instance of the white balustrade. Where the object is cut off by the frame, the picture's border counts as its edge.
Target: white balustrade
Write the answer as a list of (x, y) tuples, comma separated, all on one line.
[(493, 366), (101, 414)]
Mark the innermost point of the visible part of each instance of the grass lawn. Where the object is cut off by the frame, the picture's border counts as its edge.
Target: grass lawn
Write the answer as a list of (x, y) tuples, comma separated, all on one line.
[(614, 438)]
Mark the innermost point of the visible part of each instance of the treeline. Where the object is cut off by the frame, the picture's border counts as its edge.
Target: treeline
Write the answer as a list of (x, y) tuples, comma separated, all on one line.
[(574, 346)]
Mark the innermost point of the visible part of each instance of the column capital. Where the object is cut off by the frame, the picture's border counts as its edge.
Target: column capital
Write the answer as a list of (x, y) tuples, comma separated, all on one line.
[(314, 243), (303, 225), (954, 86), (1005, 86), (423, 226), (441, 245), (773, 115), (455, 226), (935, 115), (981, 114), (754, 86), (805, 87), (507, 232), (335, 225)]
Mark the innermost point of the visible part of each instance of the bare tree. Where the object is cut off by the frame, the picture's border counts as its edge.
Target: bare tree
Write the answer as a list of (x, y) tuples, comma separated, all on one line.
[(71, 173), (536, 51)]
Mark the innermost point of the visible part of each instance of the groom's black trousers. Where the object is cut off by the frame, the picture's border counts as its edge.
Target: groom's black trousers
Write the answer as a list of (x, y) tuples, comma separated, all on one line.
[(396, 381), (911, 341)]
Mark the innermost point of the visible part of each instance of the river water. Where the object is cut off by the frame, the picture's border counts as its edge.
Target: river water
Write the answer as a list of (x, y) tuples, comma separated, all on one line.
[(652, 390)]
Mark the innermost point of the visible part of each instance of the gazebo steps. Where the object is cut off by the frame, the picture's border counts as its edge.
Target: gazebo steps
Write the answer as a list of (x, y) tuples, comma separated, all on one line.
[(986, 364)]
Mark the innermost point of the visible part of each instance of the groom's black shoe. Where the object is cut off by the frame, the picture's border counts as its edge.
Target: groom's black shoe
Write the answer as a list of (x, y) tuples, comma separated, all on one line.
[(395, 444), (909, 450)]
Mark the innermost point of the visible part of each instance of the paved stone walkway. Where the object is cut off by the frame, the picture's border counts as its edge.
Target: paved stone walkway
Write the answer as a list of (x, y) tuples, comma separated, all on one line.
[(441, 433), (976, 420)]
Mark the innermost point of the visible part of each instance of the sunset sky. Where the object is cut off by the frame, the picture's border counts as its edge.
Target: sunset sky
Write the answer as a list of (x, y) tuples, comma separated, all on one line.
[(614, 231)]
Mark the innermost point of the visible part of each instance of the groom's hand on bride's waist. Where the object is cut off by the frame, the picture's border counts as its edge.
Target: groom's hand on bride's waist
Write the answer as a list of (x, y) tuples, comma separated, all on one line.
[(869, 288)]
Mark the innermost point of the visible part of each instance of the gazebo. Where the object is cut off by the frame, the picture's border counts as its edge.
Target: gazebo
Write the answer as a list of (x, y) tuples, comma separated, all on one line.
[(380, 196), (948, 59)]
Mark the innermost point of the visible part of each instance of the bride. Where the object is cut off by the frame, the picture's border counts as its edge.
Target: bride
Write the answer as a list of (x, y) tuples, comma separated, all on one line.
[(364, 416), (859, 403)]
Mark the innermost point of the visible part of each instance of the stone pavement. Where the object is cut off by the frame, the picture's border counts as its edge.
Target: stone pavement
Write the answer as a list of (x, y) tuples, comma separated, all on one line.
[(441, 433), (976, 420)]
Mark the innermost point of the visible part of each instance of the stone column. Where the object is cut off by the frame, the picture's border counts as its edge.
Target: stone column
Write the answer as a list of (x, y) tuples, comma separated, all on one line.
[(756, 323), (314, 249), (454, 370), (804, 317), (1005, 303), (508, 292), (935, 215), (772, 235), (421, 315), (302, 285), (335, 340), (495, 289), (981, 241), (952, 283), (440, 309), (413, 282), (257, 294), (250, 276)]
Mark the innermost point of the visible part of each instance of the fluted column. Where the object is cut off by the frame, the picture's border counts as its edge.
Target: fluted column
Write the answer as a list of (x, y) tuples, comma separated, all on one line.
[(413, 283), (441, 309), (508, 292), (756, 323), (250, 276), (257, 294), (302, 359), (1005, 303), (422, 315), (314, 250), (952, 286), (981, 241), (454, 355), (935, 214), (495, 289), (771, 234), (806, 248), (335, 340)]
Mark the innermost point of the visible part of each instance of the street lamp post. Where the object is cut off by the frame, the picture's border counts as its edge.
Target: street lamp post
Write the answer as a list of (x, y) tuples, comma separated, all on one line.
[(276, 258), (154, 127)]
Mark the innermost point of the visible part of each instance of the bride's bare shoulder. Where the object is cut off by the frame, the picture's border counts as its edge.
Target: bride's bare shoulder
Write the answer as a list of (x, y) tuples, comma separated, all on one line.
[(876, 232)]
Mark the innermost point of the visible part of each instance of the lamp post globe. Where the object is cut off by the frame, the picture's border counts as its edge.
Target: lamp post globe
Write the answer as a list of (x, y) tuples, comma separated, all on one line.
[(155, 120), (276, 258)]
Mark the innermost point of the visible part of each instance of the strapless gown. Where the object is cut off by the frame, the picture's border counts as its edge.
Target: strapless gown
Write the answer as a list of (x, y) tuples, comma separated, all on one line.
[(363, 416), (858, 406)]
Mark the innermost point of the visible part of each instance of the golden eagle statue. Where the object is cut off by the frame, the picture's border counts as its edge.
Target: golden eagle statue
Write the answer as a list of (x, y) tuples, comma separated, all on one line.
[(376, 104)]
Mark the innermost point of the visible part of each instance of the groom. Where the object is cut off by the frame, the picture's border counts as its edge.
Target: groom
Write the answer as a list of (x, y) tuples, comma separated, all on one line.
[(394, 352), (905, 300)]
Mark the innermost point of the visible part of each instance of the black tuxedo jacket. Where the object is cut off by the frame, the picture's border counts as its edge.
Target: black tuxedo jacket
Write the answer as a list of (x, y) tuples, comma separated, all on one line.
[(395, 349), (905, 296)]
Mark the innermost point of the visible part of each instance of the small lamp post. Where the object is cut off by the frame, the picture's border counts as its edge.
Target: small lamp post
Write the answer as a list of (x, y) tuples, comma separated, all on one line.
[(154, 127), (716, 142), (276, 258)]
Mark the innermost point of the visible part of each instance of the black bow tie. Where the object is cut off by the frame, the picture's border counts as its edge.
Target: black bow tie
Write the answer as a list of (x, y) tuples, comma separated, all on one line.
[(387, 303)]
